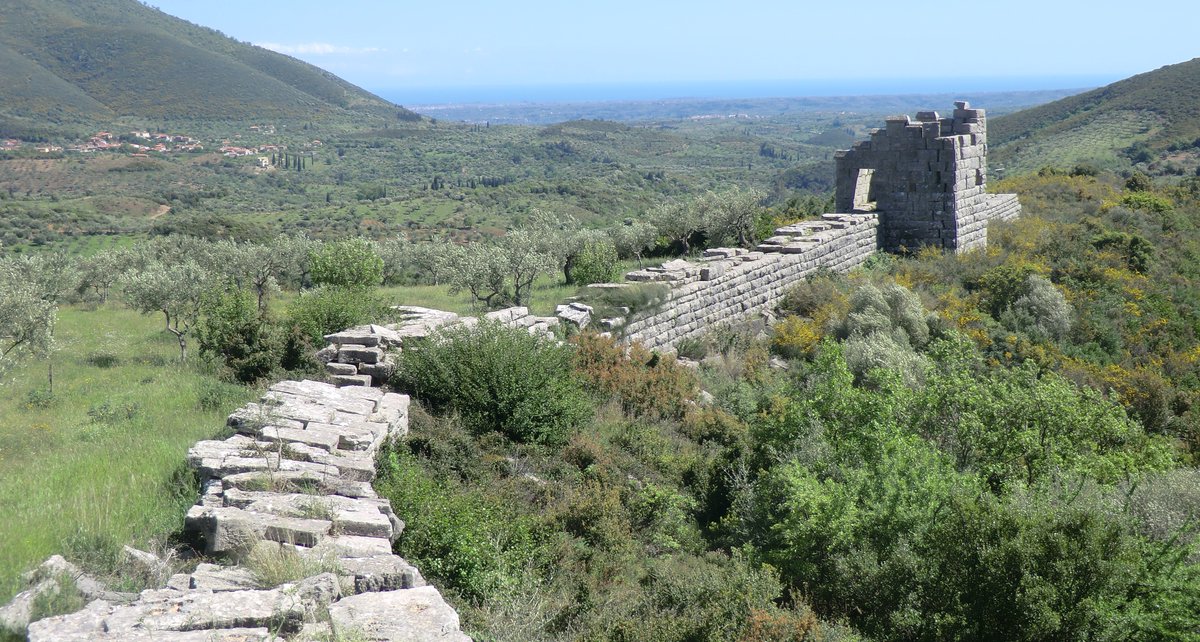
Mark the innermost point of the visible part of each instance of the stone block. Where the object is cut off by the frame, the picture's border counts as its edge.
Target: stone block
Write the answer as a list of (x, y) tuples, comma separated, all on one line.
[(428, 618), (378, 372), (352, 380), (351, 353), (338, 368)]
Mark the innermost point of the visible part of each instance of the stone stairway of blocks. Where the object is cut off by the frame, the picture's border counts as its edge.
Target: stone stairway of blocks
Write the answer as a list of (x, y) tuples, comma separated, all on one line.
[(292, 483)]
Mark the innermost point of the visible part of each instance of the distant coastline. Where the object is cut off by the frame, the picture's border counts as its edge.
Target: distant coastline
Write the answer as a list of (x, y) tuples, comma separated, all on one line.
[(621, 92)]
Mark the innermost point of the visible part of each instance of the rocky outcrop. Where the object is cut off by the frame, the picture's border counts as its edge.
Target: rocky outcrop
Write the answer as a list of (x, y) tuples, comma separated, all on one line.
[(287, 497)]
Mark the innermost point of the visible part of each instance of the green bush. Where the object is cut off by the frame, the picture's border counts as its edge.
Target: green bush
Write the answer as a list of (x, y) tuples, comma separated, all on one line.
[(352, 263), (232, 329), (500, 379), (1042, 312), (325, 310), (472, 543), (595, 263)]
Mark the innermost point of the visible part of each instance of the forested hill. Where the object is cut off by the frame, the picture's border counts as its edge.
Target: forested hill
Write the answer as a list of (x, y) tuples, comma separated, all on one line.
[(66, 62), (1149, 118)]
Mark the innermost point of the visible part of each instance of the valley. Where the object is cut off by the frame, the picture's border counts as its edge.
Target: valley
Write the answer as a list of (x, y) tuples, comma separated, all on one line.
[(622, 371)]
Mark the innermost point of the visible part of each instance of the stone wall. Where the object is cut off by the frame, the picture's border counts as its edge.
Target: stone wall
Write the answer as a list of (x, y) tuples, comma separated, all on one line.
[(927, 179), (365, 355), (915, 183), (728, 284), (294, 481)]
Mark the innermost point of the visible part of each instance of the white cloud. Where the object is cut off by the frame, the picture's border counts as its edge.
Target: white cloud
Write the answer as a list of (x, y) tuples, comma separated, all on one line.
[(316, 48)]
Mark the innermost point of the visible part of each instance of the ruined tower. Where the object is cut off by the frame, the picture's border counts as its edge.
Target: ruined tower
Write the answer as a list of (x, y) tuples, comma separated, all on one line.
[(927, 180)]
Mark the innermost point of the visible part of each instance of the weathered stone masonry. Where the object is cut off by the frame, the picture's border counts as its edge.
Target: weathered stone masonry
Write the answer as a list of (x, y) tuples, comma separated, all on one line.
[(915, 183), (731, 284), (927, 180), (296, 477)]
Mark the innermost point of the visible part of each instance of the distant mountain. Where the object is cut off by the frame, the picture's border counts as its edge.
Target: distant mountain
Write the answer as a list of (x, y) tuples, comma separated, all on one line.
[(1139, 119), (66, 62)]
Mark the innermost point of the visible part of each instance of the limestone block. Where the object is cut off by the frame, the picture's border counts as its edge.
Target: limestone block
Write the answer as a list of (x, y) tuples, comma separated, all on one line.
[(352, 380), (414, 615), (212, 577), (326, 440), (378, 372), (355, 336), (356, 546), (577, 314), (339, 368), (351, 353), (508, 316), (326, 354), (365, 523), (229, 529), (712, 272)]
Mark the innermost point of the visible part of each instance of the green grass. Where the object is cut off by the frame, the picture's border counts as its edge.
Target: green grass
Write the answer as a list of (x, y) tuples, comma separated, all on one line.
[(100, 462)]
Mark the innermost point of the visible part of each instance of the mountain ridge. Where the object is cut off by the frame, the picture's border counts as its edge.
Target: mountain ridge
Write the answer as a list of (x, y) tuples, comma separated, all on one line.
[(64, 63), (1136, 120)]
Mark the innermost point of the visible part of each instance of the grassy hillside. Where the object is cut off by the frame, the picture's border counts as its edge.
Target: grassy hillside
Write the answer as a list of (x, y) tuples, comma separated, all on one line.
[(1152, 117), (97, 463), (69, 62)]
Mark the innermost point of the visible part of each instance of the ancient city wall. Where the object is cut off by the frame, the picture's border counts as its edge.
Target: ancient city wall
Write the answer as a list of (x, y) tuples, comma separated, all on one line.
[(927, 179), (915, 183), (295, 481), (729, 284)]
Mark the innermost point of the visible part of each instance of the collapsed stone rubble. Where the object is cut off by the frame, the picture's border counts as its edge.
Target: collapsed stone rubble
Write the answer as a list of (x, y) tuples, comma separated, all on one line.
[(295, 480), (365, 355)]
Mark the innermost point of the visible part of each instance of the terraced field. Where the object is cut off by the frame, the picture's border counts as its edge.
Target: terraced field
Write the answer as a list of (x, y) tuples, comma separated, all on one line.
[(1094, 142)]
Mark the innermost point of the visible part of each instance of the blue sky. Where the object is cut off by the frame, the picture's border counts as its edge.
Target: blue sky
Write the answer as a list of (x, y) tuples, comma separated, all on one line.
[(393, 47)]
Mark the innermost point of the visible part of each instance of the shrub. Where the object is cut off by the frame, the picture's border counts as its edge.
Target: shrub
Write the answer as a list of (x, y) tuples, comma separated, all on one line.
[(645, 384), (626, 301), (795, 338), (1001, 286), (1147, 202), (500, 379), (881, 350), (819, 289), (325, 310), (694, 349), (232, 329), (1042, 312), (1138, 182), (467, 539), (596, 262), (352, 263)]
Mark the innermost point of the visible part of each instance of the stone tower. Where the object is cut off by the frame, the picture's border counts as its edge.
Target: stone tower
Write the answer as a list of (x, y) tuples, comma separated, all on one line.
[(927, 179)]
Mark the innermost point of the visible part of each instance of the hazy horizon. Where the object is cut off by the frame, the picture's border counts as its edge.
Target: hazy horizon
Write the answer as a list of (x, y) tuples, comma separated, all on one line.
[(537, 50), (647, 91)]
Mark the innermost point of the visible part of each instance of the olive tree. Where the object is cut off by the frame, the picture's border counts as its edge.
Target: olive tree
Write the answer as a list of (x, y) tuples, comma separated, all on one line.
[(633, 237), (102, 270), (31, 288), (352, 263), (26, 323), (174, 289), (499, 272), (729, 217), (677, 222), (561, 238)]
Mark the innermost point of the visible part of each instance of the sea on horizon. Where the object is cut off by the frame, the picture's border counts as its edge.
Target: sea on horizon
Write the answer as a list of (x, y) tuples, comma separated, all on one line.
[(647, 91)]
